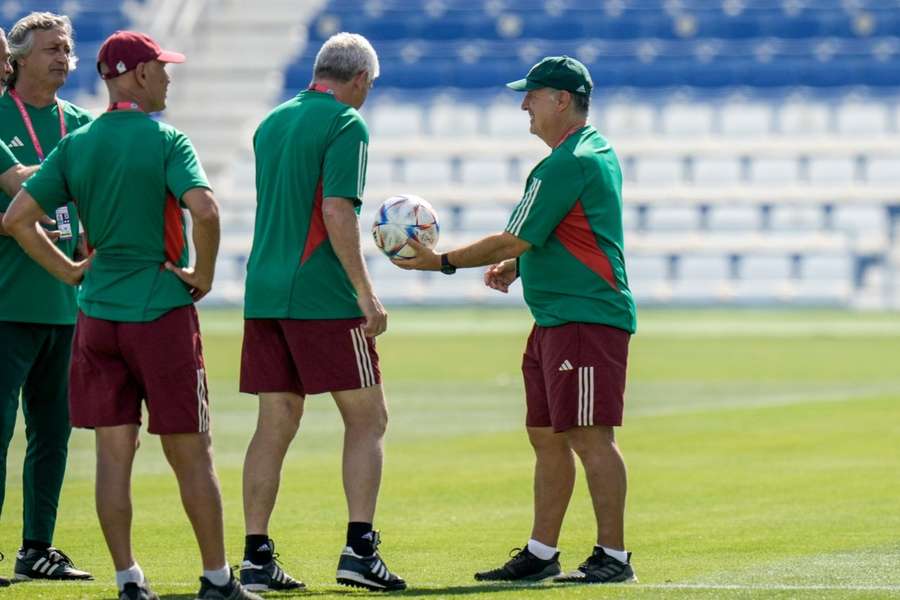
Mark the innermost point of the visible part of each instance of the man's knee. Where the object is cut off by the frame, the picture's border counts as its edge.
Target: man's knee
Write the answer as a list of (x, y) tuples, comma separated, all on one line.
[(591, 441), (280, 414)]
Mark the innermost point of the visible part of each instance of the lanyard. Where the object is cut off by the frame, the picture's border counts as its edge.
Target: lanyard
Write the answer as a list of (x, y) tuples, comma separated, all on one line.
[(28, 125), (566, 135), (123, 106), (318, 87)]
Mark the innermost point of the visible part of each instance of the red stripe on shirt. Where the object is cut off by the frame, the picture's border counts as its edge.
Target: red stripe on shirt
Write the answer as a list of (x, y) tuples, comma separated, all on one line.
[(576, 235), (317, 232), (173, 229)]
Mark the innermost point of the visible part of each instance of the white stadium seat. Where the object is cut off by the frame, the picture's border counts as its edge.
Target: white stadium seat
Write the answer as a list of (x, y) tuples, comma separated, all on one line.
[(717, 171), (453, 120), (380, 171), (832, 171), (687, 119), (485, 171), (861, 220), (673, 218), (804, 118), (660, 171), (756, 268), (788, 217), (766, 171), (485, 219), (628, 119), (883, 170), (745, 119), (862, 118), (396, 120), (505, 119), (428, 171), (734, 218)]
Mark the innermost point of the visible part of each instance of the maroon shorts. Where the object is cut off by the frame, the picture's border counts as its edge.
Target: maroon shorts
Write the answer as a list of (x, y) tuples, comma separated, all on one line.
[(307, 356), (117, 365), (575, 375)]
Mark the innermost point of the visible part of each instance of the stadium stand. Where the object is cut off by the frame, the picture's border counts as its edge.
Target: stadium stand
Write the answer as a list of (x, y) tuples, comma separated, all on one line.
[(760, 141)]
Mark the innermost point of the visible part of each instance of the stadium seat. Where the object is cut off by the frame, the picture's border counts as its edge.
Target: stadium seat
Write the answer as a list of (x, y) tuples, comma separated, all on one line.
[(862, 221), (627, 119), (745, 119), (485, 219), (485, 171), (396, 120), (687, 119), (717, 171), (883, 171), (792, 218), (452, 120), (773, 171), (862, 118), (804, 118), (505, 119), (380, 171), (734, 218), (659, 171), (832, 171), (673, 218), (428, 171), (702, 278)]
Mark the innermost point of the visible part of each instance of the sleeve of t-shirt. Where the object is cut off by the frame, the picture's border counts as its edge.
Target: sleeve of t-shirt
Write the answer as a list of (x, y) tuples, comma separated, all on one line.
[(7, 159), (183, 169), (344, 168), (552, 191), (48, 185)]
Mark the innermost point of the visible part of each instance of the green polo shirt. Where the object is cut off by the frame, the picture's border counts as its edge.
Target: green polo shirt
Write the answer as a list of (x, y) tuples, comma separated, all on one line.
[(30, 294)]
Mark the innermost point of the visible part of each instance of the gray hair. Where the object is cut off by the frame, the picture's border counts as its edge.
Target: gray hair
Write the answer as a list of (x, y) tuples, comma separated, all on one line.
[(581, 103), (21, 38), (344, 55)]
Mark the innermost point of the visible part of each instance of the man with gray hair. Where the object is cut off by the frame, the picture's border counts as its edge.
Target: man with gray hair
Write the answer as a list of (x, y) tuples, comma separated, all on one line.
[(310, 312), (37, 311)]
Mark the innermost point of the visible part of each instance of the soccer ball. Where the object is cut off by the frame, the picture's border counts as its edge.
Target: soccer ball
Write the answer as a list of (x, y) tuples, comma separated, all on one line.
[(403, 217)]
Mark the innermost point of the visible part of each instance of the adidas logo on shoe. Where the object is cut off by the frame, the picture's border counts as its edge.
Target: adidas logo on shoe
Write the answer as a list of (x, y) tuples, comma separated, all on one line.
[(565, 366)]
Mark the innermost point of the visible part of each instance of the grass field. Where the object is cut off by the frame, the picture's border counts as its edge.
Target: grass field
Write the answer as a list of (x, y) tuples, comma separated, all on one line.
[(763, 452)]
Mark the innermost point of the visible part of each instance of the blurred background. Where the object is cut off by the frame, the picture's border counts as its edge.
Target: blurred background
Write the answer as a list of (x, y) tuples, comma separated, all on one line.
[(760, 140)]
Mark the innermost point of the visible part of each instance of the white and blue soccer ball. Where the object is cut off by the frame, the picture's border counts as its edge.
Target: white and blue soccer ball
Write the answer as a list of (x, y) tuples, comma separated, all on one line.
[(400, 218)]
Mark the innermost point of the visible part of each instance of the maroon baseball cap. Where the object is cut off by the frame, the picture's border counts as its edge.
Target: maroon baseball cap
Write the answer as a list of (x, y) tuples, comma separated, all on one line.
[(124, 50)]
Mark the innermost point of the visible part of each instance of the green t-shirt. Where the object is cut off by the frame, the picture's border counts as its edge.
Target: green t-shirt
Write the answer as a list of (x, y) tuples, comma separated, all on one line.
[(571, 213), (309, 148), (29, 293), (128, 174), (7, 159)]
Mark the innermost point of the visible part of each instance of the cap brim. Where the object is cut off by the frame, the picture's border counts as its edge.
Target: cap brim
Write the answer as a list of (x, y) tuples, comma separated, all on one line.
[(523, 85), (167, 56)]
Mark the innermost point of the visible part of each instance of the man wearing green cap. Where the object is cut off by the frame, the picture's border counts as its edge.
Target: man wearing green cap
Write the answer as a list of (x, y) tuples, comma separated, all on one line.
[(564, 239)]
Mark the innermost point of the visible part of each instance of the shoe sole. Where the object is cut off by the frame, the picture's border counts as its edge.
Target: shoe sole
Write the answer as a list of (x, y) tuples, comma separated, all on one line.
[(262, 587), (354, 579), (585, 581), (538, 577)]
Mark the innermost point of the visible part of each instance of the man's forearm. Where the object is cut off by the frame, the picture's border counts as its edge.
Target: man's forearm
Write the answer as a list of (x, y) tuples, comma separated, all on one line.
[(489, 250), (206, 234), (13, 178), (38, 246), (343, 232)]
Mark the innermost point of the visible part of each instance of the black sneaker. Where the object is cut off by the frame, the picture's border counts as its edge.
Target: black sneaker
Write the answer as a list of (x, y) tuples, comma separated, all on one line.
[(523, 566), (135, 591), (269, 577), (51, 563), (368, 572), (600, 568), (233, 590)]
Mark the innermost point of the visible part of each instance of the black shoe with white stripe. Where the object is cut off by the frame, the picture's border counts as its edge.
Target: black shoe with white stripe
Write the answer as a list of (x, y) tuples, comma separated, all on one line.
[(137, 591), (367, 572), (600, 568), (51, 563), (269, 577)]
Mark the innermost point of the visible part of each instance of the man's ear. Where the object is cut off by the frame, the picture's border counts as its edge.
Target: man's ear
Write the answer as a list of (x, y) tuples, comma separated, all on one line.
[(140, 73), (362, 79)]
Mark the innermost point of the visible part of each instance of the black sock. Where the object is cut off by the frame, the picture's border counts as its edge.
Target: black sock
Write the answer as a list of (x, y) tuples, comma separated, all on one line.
[(258, 549), (29, 544), (360, 539)]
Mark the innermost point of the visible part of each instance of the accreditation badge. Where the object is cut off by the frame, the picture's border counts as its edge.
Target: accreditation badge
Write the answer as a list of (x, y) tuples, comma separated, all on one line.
[(63, 223)]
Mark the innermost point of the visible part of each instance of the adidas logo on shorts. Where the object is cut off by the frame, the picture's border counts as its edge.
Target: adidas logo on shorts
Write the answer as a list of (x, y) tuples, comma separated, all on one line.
[(565, 366)]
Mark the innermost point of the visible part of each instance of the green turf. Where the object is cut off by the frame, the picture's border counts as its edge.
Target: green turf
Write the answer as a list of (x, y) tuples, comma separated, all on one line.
[(762, 450)]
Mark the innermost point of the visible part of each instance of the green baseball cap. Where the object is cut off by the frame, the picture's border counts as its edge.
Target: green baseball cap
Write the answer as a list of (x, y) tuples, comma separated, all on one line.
[(557, 72)]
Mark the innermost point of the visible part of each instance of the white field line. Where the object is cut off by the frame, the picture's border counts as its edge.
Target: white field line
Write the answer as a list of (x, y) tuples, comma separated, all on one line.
[(651, 328), (328, 588)]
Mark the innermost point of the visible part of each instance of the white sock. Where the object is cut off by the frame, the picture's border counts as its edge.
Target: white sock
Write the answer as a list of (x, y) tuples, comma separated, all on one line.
[(619, 555), (218, 577), (132, 574), (542, 551)]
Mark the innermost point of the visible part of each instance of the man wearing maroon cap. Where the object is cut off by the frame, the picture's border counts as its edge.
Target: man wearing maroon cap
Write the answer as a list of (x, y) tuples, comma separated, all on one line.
[(137, 337)]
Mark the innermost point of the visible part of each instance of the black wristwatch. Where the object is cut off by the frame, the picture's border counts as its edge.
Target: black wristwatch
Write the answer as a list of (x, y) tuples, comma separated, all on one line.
[(446, 267)]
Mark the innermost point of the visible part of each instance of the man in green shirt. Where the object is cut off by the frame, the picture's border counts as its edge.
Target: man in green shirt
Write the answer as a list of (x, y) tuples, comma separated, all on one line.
[(565, 240), (311, 314), (37, 312), (137, 337)]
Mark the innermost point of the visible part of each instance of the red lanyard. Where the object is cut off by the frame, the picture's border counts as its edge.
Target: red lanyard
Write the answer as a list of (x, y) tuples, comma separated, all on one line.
[(567, 134), (28, 125), (123, 106), (318, 87)]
